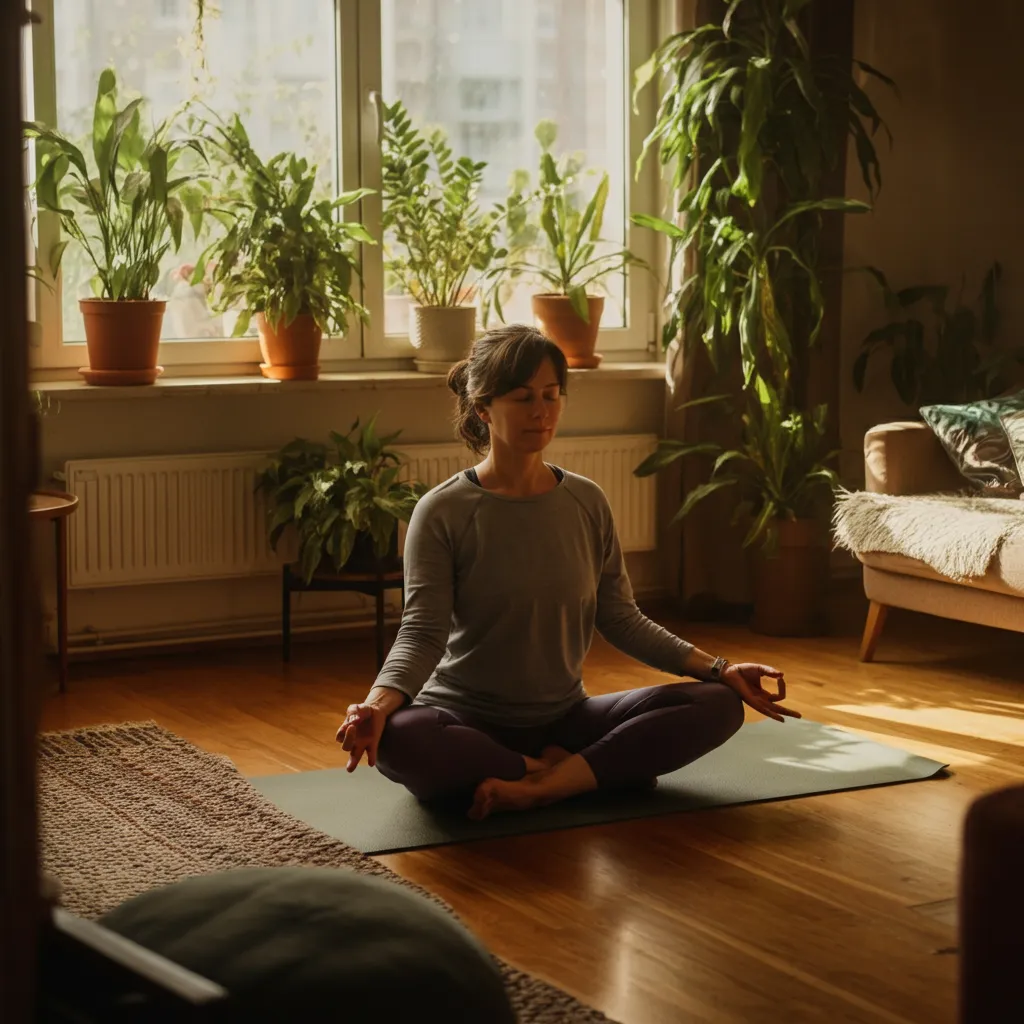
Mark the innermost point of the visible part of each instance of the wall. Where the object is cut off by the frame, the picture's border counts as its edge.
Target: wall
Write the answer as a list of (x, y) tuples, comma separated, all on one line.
[(185, 420), (950, 202)]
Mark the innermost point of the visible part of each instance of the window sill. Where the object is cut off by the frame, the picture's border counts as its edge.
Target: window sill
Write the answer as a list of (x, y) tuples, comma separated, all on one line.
[(250, 384)]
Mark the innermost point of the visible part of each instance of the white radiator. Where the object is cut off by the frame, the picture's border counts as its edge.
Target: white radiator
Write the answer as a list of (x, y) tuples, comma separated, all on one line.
[(160, 519)]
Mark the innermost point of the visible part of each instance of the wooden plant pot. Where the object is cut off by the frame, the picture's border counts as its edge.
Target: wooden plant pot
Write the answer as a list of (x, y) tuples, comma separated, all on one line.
[(290, 351), (123, 340), (568, 330), (441, 336), (791, 588)]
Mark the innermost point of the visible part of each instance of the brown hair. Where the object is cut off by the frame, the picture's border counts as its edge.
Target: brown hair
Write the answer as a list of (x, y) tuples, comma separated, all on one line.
[(502, 360)]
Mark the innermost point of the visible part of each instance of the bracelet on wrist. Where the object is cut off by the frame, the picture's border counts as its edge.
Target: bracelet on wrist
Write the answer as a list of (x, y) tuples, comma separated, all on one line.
[(717, 668)]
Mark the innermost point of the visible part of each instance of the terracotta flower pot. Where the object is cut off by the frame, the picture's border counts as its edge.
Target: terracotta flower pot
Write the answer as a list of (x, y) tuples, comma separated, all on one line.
[(576, 337), (441, 336), (290, 351), (123, 340), (790, 588)]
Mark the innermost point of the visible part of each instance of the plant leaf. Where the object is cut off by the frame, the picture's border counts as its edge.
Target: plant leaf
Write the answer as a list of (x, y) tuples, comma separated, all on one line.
[(699, 493), (669, 451)]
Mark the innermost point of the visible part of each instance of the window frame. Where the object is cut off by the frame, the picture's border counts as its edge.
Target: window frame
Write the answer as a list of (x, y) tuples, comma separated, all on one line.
[(358, 82)]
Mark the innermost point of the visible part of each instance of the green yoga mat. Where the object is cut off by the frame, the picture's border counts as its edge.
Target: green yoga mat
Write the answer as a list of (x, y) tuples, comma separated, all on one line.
[(763, 761)]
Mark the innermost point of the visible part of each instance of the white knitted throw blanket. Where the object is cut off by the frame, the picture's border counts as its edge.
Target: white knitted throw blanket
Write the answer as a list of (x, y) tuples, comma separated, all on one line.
[(957, 535)]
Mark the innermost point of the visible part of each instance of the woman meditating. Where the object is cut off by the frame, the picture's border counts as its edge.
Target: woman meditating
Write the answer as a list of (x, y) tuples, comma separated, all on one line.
[(510, 567)]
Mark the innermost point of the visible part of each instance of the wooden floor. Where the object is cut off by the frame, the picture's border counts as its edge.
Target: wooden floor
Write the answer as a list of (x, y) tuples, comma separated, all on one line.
[(832, 908)]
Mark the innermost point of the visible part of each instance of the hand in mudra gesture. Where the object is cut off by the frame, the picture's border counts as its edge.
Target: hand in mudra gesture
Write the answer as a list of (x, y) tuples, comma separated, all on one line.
[(745, 678), (360, 733)]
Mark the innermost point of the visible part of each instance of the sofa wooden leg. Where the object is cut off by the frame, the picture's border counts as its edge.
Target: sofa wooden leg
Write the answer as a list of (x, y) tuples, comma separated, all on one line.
[(873, 630)]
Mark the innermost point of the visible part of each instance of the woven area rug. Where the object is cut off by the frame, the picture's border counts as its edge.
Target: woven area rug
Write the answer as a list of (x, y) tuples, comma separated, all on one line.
[(131, 807)]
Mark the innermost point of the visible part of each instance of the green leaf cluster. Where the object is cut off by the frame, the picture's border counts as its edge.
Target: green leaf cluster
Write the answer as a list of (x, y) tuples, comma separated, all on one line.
[(553, 230), (750, 122), (286, 250), (746, 104), (782, 467), (126, 202), (960, 361), (330, 494), (438, 241)]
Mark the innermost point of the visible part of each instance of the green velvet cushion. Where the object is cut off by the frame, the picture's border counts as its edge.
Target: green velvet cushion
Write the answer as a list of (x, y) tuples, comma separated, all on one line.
[(305, 944), (974, 438), (1013, 424)]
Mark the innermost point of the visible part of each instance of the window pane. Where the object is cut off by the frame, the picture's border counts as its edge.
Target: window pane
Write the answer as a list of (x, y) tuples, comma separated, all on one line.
[(272, 63), (486, 71)]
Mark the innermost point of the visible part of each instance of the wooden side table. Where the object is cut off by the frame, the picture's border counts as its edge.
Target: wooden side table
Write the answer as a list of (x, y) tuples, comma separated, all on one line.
[(372, 584), (57, 506)]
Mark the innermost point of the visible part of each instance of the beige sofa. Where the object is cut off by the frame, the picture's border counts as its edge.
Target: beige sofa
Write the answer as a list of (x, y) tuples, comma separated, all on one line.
[(907, 458)]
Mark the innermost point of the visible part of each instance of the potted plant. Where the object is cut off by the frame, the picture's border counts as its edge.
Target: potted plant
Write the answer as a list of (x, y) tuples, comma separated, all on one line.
[(438, 241), (783, 474), (554, 237), (751, 119), (342, 501), (286, 256), (962, 362), (126, 208)]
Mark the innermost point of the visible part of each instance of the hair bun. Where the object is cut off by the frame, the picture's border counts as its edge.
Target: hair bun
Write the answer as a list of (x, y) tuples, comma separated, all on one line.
[(458, 377)]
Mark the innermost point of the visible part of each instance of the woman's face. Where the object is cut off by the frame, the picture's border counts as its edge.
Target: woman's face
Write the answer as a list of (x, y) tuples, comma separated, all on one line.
[(525, 419)]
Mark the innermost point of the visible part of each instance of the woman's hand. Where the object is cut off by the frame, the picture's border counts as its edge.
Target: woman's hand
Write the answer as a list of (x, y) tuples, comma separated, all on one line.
[(745, 678), (360, 733)]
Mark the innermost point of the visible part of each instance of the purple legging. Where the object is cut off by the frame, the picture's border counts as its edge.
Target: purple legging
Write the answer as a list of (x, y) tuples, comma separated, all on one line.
[(626, 738)]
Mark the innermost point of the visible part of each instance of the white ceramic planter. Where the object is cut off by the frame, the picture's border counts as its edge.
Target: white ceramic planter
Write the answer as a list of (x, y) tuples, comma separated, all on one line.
[(441, 336)]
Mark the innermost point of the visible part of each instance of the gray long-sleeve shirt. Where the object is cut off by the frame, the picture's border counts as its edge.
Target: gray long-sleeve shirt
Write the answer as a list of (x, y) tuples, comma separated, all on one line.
[(502, 598)]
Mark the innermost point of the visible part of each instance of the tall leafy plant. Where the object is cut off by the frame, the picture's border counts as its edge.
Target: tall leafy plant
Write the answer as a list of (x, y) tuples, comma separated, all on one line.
[(553, 230), (958, 360), (750, 122), (127, 205), (438, 240), (332, 495), (286, 251)]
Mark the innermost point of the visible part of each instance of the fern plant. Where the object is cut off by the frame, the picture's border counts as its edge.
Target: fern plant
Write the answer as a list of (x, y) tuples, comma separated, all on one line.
[(334, 495), (438, 241)]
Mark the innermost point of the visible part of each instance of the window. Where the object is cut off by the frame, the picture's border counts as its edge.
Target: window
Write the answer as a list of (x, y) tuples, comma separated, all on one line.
[(300, 74), (480, 94), (480, 15), (547, 17), (570, 68), (276, 69)]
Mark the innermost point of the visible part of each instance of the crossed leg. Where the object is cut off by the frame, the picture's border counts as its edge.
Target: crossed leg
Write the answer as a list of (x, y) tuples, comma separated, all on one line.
[(623, 739), (610, 741)]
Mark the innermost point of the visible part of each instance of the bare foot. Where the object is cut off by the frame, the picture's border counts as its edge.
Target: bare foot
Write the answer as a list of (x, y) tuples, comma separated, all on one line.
[(502, 795), (570, 776)]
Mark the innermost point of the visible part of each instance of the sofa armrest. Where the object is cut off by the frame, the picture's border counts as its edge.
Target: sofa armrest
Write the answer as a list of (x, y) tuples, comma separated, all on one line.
[(907, 458)]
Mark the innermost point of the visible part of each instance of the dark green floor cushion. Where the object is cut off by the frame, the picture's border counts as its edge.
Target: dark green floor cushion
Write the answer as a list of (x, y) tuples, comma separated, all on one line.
[(763, 761), (311, 944)]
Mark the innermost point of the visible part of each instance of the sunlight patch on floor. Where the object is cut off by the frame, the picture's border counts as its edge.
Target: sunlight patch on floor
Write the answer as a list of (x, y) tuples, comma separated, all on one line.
[(996, 728), (952, 756)]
